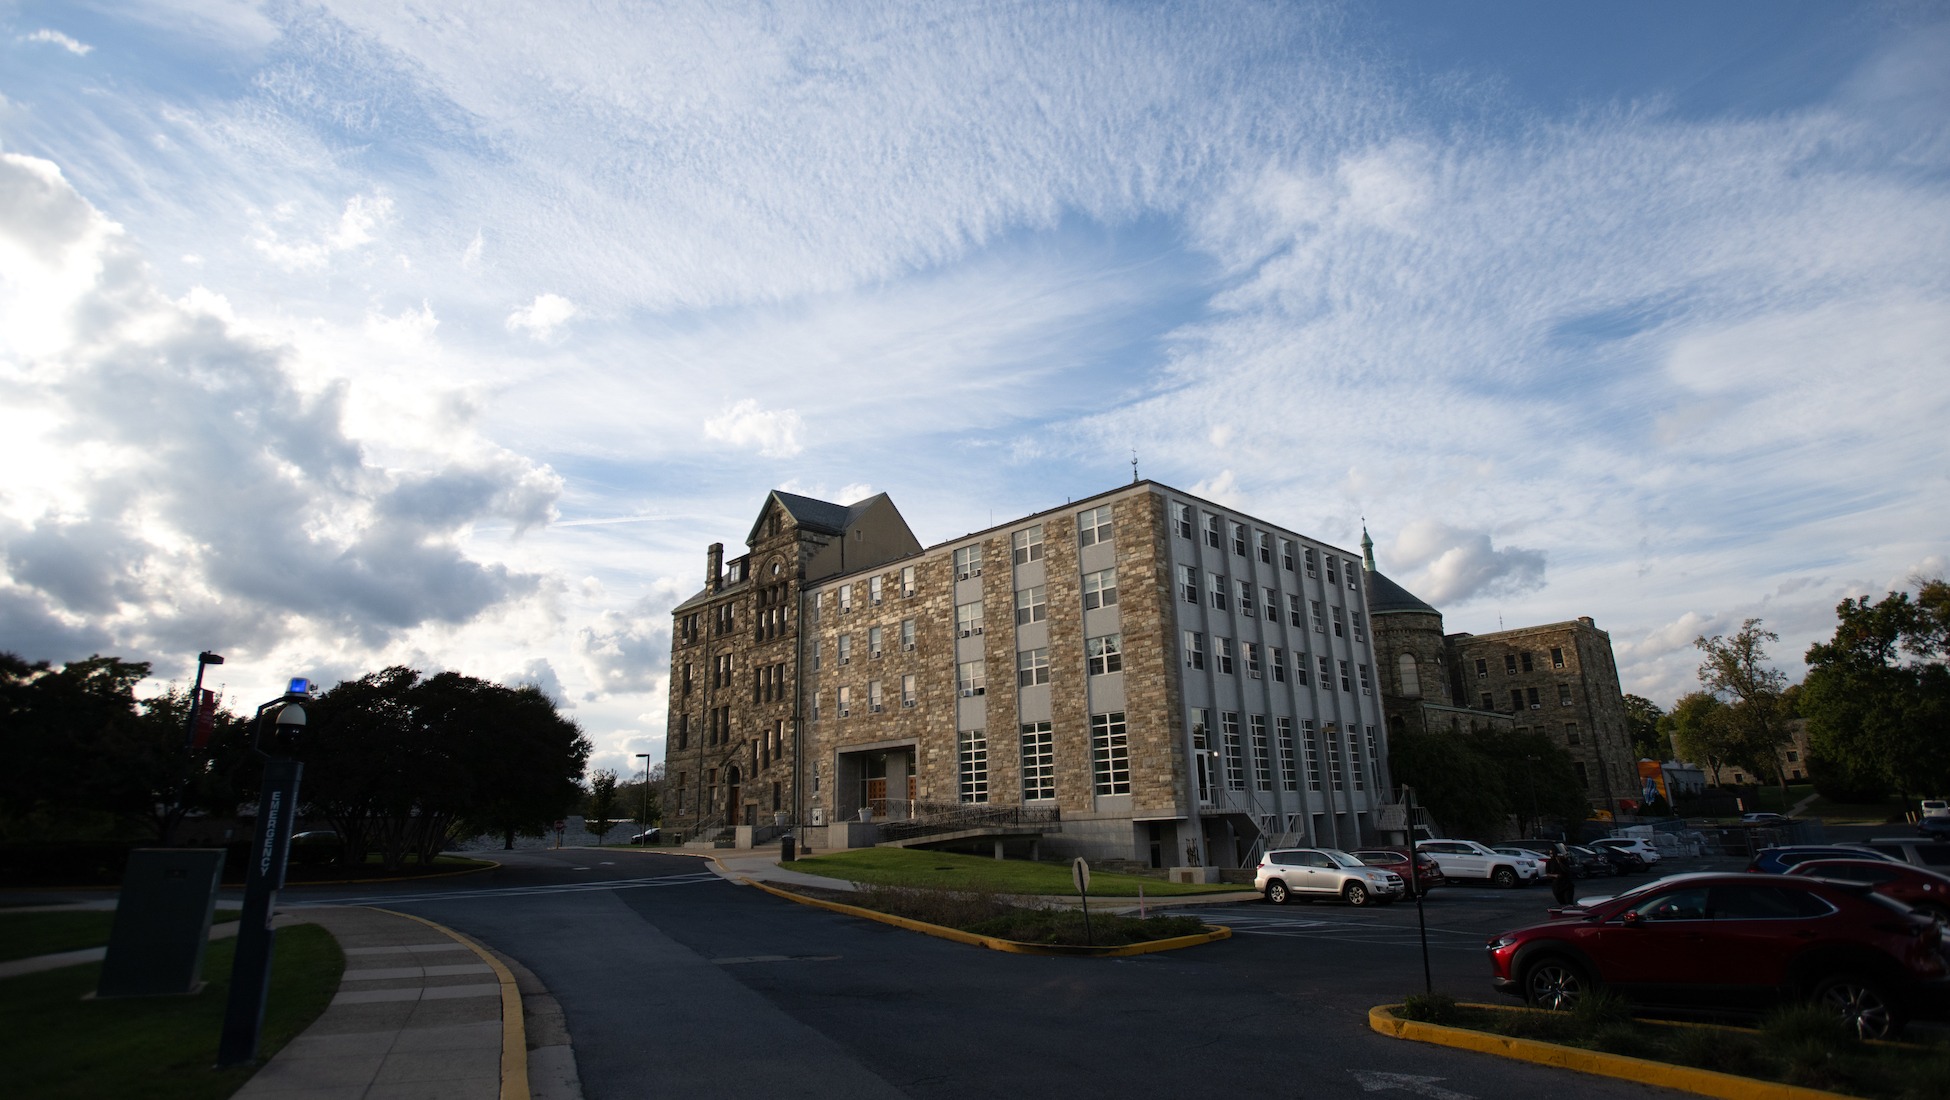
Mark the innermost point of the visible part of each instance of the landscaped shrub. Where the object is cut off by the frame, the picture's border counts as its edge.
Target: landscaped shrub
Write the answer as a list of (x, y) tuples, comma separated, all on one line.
[(1428, 1008)]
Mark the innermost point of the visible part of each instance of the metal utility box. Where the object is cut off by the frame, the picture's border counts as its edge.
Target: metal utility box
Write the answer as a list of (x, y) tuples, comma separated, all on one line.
[(162, 923)]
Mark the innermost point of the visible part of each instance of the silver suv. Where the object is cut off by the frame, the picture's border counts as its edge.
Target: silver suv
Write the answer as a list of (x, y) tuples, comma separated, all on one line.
[(1309, 873)]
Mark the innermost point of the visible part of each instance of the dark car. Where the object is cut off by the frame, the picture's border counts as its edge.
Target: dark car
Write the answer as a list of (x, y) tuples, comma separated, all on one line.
[(1936, 828), (1736, 942), (1776, 861), (647, 836), (1428, 874), (1915, 887), (1602, 863), (316, 848), (1622, 862)]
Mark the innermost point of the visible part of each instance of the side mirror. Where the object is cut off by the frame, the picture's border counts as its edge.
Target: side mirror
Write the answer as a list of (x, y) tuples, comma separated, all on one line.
[(1631, 919)]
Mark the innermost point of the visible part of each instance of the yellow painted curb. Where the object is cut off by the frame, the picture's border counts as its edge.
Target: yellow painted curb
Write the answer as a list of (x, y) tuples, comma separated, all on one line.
[(514, 1028), (1702, 1082), (1014, 947)]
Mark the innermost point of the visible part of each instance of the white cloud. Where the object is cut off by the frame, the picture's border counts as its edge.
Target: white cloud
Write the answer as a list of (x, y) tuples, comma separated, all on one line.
[(353, 230), (744, 424), (1454, 566), (541, 317), (56, 38)]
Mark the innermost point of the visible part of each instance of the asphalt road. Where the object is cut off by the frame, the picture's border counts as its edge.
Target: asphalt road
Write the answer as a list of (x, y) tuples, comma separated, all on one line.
[(675, 982)]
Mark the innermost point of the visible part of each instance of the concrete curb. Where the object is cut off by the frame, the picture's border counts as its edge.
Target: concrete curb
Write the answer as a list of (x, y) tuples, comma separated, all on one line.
[(1013, 947), (1702, 1082), (514, 1033)]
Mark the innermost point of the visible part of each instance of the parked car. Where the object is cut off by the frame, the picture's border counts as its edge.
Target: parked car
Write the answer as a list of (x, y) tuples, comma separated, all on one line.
[(647, 836), (1647, 851), (1622, 862), (1916, 887), (316, 848), (1936, 828), (1936, 807), (1736, 942), (1428, 874), (1775, 861), (1308, 873), (1908, 849), (1764, 818), (1468, 859)]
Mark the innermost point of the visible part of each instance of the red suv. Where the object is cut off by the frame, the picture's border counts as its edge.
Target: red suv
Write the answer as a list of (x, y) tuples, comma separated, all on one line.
[(1736, 941), (1916, 887), (1428, 873)]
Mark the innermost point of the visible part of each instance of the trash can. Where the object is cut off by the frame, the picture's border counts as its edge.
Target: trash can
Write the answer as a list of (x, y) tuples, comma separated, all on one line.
[(787, 849)]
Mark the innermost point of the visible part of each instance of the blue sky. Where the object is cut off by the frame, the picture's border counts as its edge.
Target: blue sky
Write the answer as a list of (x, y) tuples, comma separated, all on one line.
[(335, 335)]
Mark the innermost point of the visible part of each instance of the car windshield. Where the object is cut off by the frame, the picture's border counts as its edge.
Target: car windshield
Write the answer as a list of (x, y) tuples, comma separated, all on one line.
[(1342, 859)]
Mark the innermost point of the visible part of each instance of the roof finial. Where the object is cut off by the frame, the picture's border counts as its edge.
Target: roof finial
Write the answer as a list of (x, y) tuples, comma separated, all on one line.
[(1134, 477), (1367, 546)]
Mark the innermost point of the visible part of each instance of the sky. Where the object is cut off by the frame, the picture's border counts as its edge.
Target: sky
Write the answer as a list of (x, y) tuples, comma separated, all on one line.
[(338, 335)]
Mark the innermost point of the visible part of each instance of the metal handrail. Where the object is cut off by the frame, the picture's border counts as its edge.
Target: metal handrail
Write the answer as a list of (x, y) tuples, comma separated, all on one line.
[(929, 819)]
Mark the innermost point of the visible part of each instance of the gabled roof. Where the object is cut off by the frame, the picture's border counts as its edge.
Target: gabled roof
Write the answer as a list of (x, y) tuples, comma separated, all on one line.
[(822, 516), (1385, 596)]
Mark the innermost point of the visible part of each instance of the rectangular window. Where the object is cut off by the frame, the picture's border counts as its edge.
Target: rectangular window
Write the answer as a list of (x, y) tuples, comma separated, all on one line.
[(1509, 664), (1239, 539), (1201, 751), (1032, 667), (1367, 688), (972, 678), (1527, 665), (1489, 701), (1279, 664), (1283, 731), (815, 706), (1093, 526), (1334, 758), (1584, 780), (907, 635), (1110, 753), (1188, 583), (1557, 657), (975, 766), (1312, 568), (1318, 615), (874, 646), (843, 701), (1250, 653), (1299, 669), (968, 619), (1326, 675), (1570, 733), (1262, 761), (875, 703), (1313, 754), (1265, 547), (1563, 695), (1531, 695), (1482, 669), (874, 594), (1353, 573), (1246, 599), (968, 562), (845, 649), (1235, 752), (1340, 630), (1360, 626), (1516, 698), (1215, 585), (1212, 531), (1331, 578), (1100, 589), (1028, 545), (1181, 520), (1031, 607), (1194, 649), (1347, 682), (1106, 654), (907, 581), (1038, 762), (846, 598), (1286, 554), (1272, 603), (910, 693), (1293, 611), (1222, 648), (1354, 762)]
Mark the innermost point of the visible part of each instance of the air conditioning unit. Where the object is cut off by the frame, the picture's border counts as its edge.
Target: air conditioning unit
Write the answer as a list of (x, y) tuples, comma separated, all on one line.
[(907, 702), (878, 707), (875, 654), (819, 815), (846, 660), (844, 711), (907, 647)]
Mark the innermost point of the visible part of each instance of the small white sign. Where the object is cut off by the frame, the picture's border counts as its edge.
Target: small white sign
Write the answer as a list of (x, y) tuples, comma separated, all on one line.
[(1080, 871)]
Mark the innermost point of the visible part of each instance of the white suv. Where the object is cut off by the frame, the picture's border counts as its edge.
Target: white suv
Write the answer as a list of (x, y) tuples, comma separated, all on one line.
[(1641, 848), (1288, 873), (1468, 859)]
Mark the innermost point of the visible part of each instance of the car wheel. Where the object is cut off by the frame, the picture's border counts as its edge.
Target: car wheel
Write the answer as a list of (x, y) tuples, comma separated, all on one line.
[(1276, 892), (1860, 1003), (1554, 983), (1355, 893), (1504, 878)]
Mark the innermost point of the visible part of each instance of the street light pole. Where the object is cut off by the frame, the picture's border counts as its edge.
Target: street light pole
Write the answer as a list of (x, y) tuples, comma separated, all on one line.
[(1530, 780), (645, 818), (196, 697)]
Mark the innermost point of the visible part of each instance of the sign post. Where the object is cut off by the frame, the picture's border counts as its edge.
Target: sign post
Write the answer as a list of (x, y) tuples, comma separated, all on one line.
[(1080, 874)]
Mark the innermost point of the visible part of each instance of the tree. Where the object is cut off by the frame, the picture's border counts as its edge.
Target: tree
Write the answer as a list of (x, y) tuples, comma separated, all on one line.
[(1735, 669), (1699, 731), (1642, 717), (599, 812), (1877, 697), (1475, 782), (630, 795)]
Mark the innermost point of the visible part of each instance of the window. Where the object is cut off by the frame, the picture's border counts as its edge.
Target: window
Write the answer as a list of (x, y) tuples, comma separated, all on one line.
[(1032, 667), (1354, 762), (1212, 531), (1038, 762), (1181, 520), (1532, 696), (1106, 654), (909, 693), (688, 675), (1367, 688), (843, 701), (1571, 733), (1319, 616), (874, 594), (1246, 599), (968, 619), (1584, 778), (723, 678), (968, 562), (1100, 589), (974, 757), (1250, 653), (1194, 649), (1279, 664), (814, 610), (1374, 757), (1283, 731), (1222, 648), (1557, 657), (907, 635), (1340, 628), (1326, 675), (1353, 574), (1527, 666), (845, 649), (1334, 759), (875, 704), (846, 598), (1299, 669), (1235, 753), (1509, 664), (1028, 545), (1489, 702), (1347, 682), (1312, 569), (1331, 578), (683, 731), (971, 678), (1482, 669), (1563, 695), (1271, 603), (873, 641), (1239, 539), (1262, 761), (1093, 526), (815, 706), (907, 581), (1293, 610), (1188, 583), (1286, 554), (1313, 754), (1201, 751), (1266, 548), (1031, 606), (1360, 626), (1110, 753), (1215, 585)]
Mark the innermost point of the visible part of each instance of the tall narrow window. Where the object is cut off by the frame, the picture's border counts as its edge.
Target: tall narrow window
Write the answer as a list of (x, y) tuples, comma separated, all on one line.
[(845, 651), (1326, 675), (843, 698), (1334, 757), (1262, 761), (1319, 618), (1194, 647), (907, 635), (1293, 610), (1234, 750), (875, 702), (1286, 555), (1347, 682), (1367, 687), (1239, 539), (1299, 669), (1313, 754), (1312, 567), (968, 619), (1216, 585), (1201, 751), (846, 598), (1411, 676), (1110, 753), (1528, 664), (1283, 731), (874, 594), (874, 646), (1212, 527), (1188, 583), (1222, 648), (1354, 762), (1272, 603), (909, 692), (1181, 520), (1028, 545), (1093, 526), (1557, 657), (974, 766), (1265, 547), (1249, 652), (907, 581), (1340, 630), (1331, 578), (1563, 695), (1278, 659), (1038, 762), (1246, 599)]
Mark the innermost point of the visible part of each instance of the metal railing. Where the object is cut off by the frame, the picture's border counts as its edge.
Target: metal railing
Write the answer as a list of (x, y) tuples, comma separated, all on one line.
[(934, 818)]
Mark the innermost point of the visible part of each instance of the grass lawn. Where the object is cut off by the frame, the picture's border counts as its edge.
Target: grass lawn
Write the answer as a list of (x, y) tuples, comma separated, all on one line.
[(57, 1046), (953, 871), (1768, 798), (25, 935)]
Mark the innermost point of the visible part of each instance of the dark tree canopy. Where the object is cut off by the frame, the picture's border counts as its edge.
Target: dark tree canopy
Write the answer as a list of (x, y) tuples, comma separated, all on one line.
[(1474, 782), (1649, 741), (1877, 697), (1754, 728)]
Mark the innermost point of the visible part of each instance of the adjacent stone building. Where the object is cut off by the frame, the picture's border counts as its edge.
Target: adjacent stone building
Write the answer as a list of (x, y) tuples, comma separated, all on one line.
[(1177, 681)]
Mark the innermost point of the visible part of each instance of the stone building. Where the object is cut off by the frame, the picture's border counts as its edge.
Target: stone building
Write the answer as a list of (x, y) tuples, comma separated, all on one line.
[(1179, 682), (1559, 679)]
